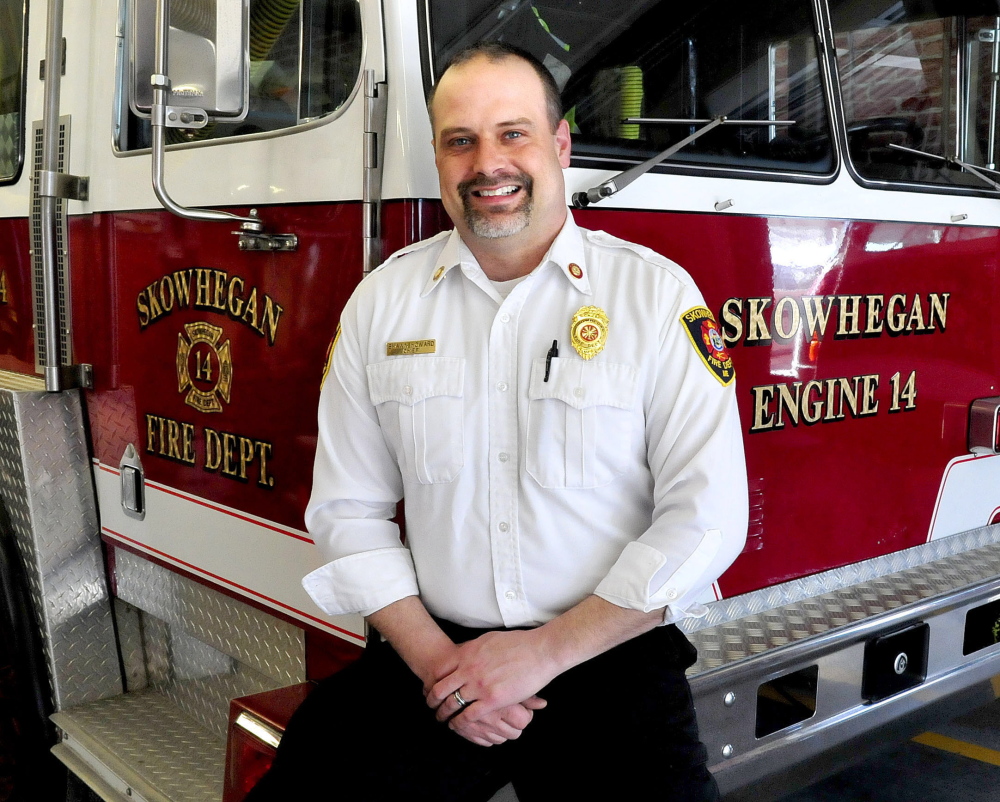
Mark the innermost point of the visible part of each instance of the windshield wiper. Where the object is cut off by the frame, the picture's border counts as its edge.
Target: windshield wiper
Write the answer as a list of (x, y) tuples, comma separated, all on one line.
[(619, 182), (976, 171)]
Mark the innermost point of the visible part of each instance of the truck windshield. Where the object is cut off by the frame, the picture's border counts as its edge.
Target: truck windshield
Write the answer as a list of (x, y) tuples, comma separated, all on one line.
[(305, 56), (924, 76), (666, 61), (12, 31)]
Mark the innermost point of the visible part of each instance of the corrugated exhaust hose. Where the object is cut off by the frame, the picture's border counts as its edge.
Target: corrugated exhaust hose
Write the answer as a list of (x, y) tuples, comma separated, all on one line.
[(268, 19), (194, 16)]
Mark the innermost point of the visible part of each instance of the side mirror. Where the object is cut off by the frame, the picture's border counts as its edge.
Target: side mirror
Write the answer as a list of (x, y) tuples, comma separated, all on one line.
[(190, 63), (207, 56)]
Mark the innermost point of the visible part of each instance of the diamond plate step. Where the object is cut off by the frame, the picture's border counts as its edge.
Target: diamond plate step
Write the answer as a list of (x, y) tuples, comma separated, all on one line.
[(140, 746), (812, 606)]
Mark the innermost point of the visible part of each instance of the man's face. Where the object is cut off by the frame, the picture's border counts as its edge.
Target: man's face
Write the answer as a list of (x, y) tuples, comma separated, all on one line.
[(499, 162)]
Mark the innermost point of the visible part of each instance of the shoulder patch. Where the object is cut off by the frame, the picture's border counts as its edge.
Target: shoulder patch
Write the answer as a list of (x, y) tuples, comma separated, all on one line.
[(329, 356), (701, 328)]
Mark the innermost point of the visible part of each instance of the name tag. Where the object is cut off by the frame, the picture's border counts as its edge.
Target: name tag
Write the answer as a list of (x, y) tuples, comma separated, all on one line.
[(411, 347)]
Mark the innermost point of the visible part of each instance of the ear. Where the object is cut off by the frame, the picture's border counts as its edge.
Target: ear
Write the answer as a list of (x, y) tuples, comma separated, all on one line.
[(563, 143)]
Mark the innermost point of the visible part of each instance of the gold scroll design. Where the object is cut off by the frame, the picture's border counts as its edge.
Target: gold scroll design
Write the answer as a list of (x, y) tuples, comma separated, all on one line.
[(209, 335)]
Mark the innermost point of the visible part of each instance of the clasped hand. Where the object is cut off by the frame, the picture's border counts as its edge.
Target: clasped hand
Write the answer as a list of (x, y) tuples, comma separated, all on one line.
[(498, 674)]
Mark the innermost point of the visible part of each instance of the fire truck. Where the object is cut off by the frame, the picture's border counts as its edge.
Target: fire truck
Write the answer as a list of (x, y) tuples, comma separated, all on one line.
[(191, 189)]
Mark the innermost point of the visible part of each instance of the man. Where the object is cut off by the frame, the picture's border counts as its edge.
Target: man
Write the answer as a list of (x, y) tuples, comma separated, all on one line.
[(572, 465)]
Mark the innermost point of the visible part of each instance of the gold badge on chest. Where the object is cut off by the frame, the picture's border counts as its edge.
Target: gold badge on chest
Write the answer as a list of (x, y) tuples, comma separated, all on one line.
[(589, 331)]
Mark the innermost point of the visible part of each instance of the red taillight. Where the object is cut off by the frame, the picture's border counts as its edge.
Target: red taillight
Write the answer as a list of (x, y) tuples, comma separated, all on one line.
[(256, 724), (247, 759)]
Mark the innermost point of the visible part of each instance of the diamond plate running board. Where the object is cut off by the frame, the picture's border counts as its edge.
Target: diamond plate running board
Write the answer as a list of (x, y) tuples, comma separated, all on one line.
[(161, 755), (827, 633), (755, 623)]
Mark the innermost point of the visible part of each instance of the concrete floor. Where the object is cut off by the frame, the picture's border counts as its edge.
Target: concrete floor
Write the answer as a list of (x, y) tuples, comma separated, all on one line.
[(959, 761)]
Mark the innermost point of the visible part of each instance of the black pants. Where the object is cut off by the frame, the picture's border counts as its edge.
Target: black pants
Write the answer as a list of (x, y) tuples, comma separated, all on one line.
[(618, 727)]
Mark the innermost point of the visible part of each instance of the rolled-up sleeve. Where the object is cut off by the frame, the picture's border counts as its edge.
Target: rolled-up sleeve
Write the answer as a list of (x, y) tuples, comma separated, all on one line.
[(356, 487), (695, 454)]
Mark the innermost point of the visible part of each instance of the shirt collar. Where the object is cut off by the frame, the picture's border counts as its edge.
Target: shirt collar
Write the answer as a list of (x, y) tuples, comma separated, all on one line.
[(449, 257), (566, 253)]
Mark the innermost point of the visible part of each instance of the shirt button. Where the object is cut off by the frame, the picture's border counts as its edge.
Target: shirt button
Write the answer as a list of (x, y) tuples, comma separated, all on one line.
[(510, 595), (502, 386), (503, 526), (578, 392), (408, 390), (503, 456), (504, 318), (672, 594)]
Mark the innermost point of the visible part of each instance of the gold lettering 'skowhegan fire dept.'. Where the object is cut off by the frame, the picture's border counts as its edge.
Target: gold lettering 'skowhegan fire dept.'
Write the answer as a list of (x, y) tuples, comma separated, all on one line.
[(208, 289), (231, 455), (204, 367)]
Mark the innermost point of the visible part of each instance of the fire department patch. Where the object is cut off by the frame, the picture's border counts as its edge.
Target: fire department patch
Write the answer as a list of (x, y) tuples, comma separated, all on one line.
[(704, 332)]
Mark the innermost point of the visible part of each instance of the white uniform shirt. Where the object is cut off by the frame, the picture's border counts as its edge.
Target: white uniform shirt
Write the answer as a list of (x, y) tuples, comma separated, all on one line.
[(622, 475)]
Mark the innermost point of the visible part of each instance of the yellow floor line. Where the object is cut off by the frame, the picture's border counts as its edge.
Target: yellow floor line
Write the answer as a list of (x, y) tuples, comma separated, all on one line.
[(995, 682), (943, 742)]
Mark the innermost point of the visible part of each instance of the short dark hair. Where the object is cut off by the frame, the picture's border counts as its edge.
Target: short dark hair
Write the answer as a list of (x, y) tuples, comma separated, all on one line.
[(498, 51)]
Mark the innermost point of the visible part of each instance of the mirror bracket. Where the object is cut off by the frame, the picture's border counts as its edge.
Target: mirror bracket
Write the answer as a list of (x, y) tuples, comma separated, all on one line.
[(162, 116), (252, 237), (183, 117)]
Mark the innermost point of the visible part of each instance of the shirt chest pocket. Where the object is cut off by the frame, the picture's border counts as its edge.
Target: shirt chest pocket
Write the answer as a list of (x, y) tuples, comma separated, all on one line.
[(421, 409), (579, 422)]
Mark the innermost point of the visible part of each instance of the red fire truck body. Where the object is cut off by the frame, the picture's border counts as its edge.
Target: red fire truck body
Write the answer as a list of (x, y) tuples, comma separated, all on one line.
[(844, 233)]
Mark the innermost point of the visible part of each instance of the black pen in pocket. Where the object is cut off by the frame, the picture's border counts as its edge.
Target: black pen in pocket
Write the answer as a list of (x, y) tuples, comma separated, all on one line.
[(553, 351)]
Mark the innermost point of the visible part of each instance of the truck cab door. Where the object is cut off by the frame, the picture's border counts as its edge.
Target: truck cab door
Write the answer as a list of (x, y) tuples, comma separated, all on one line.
[(207, 350)]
